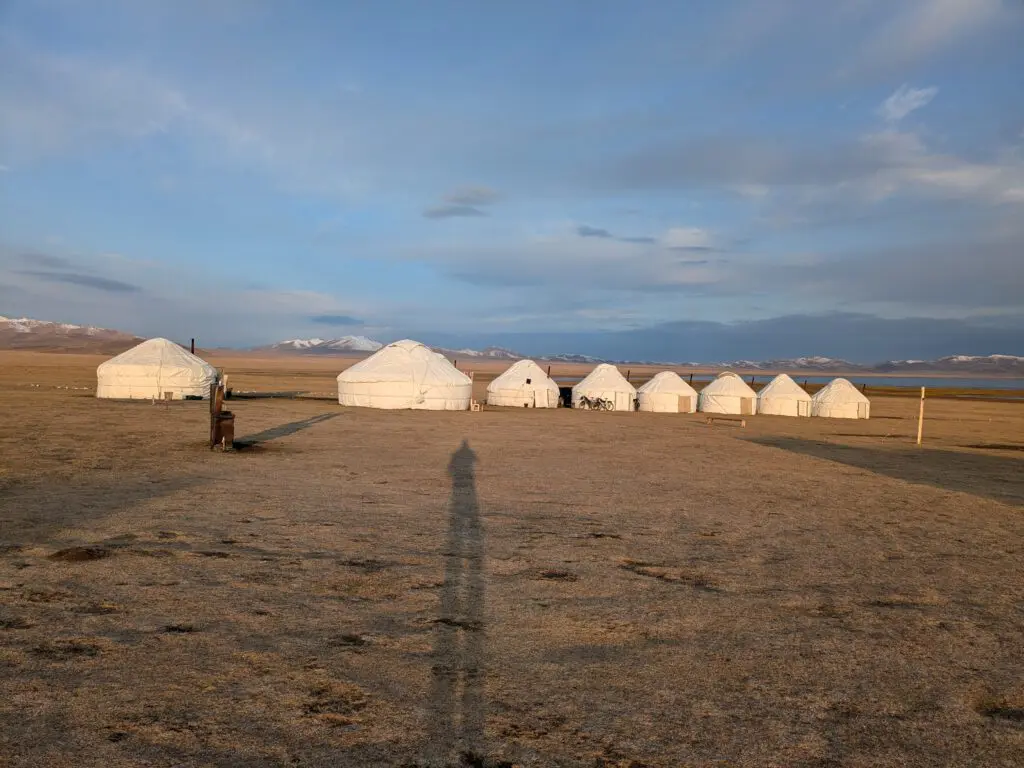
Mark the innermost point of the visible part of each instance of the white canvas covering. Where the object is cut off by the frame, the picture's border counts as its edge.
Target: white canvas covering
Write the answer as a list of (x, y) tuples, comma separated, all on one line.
[(151, 370), (667, 393), (606, 382), (524, 384), (405, 374), (840, 400), (728, 393), (783, 397)]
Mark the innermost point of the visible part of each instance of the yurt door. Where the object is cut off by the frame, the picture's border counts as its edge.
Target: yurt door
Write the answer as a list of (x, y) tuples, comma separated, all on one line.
[(803, 408), (622, 401), (684, 404), (862, 410), (746, 406)]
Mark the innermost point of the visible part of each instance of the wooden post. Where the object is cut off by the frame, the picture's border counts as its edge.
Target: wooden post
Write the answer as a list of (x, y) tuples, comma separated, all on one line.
[(691, 377), (920, 418), (627, 374), (455, 363), (192, 347), (752, 381), (549, 371)]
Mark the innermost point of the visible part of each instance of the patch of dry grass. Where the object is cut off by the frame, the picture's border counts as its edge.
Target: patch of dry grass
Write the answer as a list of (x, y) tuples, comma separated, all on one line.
[(641, 590)]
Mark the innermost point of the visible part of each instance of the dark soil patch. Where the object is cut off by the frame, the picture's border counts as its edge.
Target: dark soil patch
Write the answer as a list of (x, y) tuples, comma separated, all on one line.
[(996, 446), (669, 574), (14, 622), (1002, 710), (180, 629), (557, 575), (81, 554), (368, 565), (66, 649), (349, 640)]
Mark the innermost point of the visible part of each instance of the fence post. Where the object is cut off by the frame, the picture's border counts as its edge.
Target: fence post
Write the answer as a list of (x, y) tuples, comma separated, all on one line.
[(920, 418)]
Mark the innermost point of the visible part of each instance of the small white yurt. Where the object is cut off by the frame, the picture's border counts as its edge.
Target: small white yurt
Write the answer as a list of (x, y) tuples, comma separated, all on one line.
[(405, 374), (606, 382), (783, 397), (728, 393), (523, 385), (667, 393), (157, 368), (840, 400)]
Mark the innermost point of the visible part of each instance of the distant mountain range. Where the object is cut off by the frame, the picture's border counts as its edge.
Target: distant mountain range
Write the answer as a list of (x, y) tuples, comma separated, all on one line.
[(325, 346), (994, 364), (44, 335)]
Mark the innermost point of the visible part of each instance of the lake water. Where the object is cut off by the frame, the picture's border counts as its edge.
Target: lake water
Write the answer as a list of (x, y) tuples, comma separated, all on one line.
[(859, 380)]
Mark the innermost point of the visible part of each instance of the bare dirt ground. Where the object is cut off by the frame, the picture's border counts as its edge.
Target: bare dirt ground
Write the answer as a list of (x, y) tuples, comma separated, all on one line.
[(534, 588)]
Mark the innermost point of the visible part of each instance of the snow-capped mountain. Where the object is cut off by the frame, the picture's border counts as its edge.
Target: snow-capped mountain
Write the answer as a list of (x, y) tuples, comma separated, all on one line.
[(489, 353), (571, 359), (26, 333), (326, 346), (959, 364)]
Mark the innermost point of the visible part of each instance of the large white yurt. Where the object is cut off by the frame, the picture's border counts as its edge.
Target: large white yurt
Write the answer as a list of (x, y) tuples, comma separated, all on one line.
[(157, 368), (840, 400), (523, 385), (667, 393), (728, 393), (783, 397), (606, 382), (405, 374)]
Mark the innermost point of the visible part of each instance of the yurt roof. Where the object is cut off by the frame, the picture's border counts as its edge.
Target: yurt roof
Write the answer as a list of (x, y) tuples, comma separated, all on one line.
[(405, 360), (728, 383), (606, 378), (517, 374), (782, 386), (669, 383), (159, 352), (839, 391)]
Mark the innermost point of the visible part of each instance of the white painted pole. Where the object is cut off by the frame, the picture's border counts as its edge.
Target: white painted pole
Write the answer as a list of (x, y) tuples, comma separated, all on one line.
[(920, 418)]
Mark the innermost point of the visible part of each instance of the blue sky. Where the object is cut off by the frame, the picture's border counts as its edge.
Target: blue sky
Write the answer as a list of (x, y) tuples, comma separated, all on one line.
[(573, 173)]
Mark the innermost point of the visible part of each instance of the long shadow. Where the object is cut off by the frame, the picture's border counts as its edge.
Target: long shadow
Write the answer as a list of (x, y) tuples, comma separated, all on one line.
[(995, 477), (456, 728), (282, 431)]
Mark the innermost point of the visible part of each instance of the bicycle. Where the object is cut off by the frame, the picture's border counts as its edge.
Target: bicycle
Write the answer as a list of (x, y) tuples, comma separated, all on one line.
[(595, 404)]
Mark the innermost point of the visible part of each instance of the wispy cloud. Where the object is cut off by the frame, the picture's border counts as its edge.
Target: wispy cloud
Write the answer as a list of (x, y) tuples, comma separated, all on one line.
[(49, 261), (452, 212), (341, 320), (472, 196), (905, 100), (465, 202), (585, 230), (85, 281)]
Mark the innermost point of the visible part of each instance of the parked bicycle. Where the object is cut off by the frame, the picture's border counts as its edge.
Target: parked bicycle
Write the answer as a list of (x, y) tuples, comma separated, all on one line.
[(595, 404)]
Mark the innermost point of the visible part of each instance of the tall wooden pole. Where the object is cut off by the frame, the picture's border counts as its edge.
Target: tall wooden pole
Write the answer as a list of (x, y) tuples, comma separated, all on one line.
[(920, 419)]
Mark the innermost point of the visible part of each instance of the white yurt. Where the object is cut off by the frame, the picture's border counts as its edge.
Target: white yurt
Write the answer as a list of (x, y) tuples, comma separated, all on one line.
[(524, 384), (728, 393), (606, 382), (667, 393), (783, 397), (405, 374), (155, 369), (840, 400)]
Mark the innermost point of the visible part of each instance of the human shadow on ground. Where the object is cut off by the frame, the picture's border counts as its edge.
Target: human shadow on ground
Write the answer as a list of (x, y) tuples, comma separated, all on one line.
[(995, 477), (282, 431), (457, 705)]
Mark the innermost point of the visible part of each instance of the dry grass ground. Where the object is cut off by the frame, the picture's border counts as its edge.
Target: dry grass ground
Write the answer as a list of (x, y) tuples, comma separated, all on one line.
[(524, 587)]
